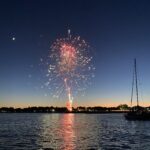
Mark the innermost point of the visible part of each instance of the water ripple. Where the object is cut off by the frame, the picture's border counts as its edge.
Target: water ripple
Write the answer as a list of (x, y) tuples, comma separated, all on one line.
[(72, 132)]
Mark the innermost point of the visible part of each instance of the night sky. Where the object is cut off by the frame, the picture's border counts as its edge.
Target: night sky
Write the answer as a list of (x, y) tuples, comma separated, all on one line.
[(117, 30)]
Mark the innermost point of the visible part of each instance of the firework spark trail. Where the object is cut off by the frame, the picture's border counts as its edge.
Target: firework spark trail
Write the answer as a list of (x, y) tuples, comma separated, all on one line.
[(70, 98), (69, 66)]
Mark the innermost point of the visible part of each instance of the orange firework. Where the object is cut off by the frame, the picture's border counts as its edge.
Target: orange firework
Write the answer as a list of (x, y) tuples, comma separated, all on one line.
[(68, 58), (69, 67)]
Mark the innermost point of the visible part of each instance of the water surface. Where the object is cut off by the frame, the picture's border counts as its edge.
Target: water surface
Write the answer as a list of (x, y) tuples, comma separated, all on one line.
[(27, 131)]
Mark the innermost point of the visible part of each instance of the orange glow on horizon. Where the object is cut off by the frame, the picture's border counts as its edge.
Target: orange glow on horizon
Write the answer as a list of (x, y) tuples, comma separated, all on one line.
[(22, 102)]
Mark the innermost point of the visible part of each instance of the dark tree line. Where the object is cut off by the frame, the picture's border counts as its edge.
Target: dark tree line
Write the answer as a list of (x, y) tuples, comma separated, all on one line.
[(80, 109)]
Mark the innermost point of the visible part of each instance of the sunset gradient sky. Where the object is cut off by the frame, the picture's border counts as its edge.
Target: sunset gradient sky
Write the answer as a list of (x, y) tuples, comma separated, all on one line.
[(118, 31)]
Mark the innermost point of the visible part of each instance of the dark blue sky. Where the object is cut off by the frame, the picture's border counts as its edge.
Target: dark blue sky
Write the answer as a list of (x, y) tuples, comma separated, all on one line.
[(118, 31)]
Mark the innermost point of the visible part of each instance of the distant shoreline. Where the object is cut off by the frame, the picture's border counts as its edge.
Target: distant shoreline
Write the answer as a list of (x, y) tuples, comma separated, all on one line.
[(123, 108), (65, 112)]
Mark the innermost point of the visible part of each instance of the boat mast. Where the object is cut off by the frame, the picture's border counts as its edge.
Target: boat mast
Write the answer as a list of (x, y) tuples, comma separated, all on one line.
[(135, 67), (132, 86)]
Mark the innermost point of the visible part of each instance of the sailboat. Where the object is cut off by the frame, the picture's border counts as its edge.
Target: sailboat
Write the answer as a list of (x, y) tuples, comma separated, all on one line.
[(137, 112)]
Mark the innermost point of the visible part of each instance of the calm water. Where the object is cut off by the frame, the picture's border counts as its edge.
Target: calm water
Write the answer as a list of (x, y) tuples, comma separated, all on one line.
[(72, 132)]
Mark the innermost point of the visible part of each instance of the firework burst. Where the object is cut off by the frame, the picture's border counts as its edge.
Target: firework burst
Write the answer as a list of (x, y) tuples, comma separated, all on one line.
[(69, 67)]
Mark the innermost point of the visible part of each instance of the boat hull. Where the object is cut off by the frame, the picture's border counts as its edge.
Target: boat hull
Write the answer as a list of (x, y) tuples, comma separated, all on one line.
[(137, 116)]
